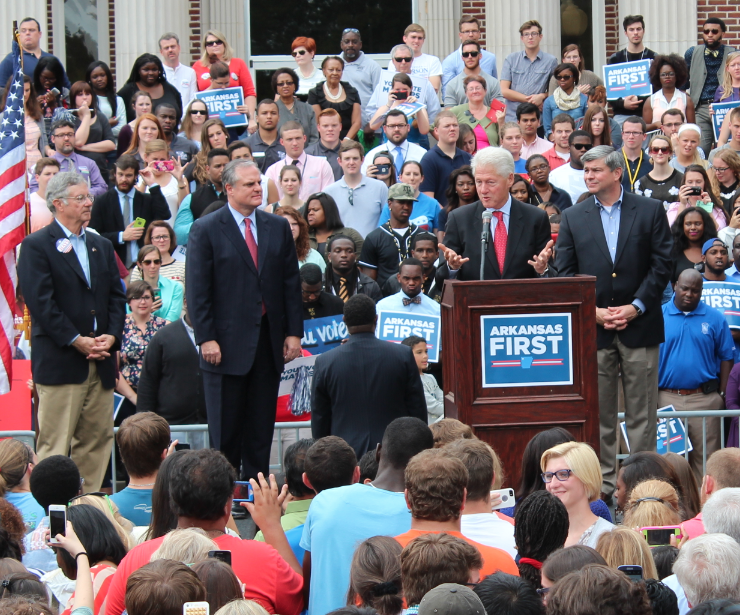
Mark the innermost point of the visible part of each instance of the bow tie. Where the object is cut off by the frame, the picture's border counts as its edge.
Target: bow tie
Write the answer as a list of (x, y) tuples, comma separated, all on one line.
[(407, 301), (711, 52)]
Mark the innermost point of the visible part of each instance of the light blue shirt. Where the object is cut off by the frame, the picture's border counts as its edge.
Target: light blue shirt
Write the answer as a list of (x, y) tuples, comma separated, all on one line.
[(132, 246), (239, 219), (733, 273), (183, 221), (79, 244), (610, 218), (506, 209), (363, 211), (394, 303), (453, 65)]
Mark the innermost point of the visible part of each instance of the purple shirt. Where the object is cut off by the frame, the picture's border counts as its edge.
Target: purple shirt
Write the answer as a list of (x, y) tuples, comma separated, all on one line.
[(82, 165)]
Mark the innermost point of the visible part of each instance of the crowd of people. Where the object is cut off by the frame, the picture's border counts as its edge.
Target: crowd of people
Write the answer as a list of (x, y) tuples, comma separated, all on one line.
[(175, 261)]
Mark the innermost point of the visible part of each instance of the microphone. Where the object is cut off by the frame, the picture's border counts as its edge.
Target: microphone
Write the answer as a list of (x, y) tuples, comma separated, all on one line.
[(486, 217)]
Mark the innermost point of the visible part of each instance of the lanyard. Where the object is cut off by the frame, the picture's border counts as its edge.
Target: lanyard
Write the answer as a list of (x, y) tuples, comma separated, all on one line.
[(632, 178)]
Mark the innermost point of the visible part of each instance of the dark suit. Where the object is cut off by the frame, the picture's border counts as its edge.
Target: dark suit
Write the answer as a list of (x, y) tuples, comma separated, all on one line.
[(107, 216), (63, 305), (528, 234), (360, 387), (225, 294), (640, 270)]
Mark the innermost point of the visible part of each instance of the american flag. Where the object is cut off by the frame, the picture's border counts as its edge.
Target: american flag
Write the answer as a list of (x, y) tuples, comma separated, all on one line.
[(12, 210)]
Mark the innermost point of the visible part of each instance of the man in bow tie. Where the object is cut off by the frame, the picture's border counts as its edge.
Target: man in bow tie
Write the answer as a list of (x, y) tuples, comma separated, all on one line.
[(706, 67), (410, 298)]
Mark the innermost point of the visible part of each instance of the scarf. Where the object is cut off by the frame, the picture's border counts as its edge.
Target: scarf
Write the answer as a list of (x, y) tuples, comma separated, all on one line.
[(567, 102)]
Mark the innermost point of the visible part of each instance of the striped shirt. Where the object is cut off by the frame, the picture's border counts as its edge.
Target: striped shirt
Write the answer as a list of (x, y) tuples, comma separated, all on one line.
[(526, 77)]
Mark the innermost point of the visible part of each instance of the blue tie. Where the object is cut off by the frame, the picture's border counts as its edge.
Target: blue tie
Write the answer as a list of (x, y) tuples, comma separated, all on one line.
[(398, 159)]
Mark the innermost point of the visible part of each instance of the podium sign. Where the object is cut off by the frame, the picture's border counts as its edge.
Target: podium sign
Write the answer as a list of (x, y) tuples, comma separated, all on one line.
[(519, 357)]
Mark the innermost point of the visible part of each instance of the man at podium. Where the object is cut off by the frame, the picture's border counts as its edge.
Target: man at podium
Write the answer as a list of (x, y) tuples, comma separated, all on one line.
[(625, 242), (514, 237)]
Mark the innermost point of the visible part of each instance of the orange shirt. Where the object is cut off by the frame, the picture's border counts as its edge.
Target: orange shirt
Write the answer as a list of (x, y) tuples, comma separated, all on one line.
[(493, 559)]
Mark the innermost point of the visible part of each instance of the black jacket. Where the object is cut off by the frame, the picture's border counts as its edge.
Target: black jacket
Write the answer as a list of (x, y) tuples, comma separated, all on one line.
[(641, 267), (360, 387), (63, 305), (107, 217), (171, 382)]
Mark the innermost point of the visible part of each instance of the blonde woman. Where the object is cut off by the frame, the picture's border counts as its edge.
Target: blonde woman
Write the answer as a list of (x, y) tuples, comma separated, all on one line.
[(652, 503), (728, 91), (623, 546), (215, 48), (146, 128), (689, 138), (141, 102), (174, 186), (663, 182), (572, 473), (192, 124), (189, 545)]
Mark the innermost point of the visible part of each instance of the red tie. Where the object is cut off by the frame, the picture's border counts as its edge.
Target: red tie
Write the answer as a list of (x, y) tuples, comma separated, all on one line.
[(499, 240), (252, 245)]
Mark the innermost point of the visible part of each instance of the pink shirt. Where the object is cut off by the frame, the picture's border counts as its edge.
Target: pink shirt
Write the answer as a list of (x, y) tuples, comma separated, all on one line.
[(539, 146), (481, 138), (693, 527), (316, 174), (40, 213), (717, 215)]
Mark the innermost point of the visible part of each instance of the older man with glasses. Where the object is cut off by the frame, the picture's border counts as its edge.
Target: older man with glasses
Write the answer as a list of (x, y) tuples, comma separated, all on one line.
[(71, 285)]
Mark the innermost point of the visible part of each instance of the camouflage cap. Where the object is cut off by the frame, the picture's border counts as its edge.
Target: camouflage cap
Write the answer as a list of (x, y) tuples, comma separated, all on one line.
[(401, 192)]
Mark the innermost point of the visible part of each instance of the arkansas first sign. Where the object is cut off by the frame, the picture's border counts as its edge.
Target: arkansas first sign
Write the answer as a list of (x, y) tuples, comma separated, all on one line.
[(526, 350)]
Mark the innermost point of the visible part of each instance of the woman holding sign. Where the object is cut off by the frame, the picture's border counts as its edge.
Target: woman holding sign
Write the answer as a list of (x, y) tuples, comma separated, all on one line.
[(728, 91), (667, 74)]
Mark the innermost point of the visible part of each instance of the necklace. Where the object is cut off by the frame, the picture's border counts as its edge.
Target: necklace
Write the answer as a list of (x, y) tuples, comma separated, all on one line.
[(141, 485), (331, 96)]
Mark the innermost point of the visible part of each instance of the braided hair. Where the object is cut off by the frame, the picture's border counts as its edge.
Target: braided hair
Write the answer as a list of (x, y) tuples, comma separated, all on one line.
[(541, 527)]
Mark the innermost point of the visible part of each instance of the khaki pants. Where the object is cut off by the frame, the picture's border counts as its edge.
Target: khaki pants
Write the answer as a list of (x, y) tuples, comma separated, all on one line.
[(79, 416), (698, 401), (639, 371)]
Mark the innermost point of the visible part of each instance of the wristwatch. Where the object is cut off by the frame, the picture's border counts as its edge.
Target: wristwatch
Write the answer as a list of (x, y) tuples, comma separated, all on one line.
[(637, 307)]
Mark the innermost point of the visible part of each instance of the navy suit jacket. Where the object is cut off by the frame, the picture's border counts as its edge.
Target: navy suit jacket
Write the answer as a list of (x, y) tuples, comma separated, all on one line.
[(225, 291), (63, 305), (641, 267), (361, 386)]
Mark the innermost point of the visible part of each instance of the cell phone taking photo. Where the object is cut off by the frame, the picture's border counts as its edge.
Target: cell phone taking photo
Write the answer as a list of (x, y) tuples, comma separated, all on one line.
[(57, 522)]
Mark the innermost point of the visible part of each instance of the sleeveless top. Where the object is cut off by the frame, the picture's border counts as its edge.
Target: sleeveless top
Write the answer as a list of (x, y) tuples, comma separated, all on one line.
[(660, 104)]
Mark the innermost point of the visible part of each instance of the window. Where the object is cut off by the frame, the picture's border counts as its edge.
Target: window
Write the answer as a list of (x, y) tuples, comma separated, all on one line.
[(81, 36)]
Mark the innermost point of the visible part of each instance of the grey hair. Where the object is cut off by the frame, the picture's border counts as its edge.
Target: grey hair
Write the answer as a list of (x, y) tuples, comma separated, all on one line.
[(242, 607), (721, 513), (189, 545), (402, 46), (167, 36), (498, 158), (612, 157), (707, 568), (59, 185), (229, 176)]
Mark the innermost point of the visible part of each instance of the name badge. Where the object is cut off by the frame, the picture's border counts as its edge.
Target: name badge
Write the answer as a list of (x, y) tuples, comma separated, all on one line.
[(235, 77), (258, 154), (64, 245), (83, 169)]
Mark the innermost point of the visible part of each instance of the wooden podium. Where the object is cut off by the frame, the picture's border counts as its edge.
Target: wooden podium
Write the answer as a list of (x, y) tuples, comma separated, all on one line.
[(519, 357)]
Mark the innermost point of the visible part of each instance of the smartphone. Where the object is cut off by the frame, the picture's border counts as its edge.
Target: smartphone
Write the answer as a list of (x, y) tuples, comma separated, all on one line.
[(695, 191), (507, 498), (243, 491), (661, 536), (182, 446), (400, 95), (633, 572), (55, 92), (75, 112), (156, 296), (57, 522), (139, 223), (382, 169), (196, 608), (224, 556), (164, 166)]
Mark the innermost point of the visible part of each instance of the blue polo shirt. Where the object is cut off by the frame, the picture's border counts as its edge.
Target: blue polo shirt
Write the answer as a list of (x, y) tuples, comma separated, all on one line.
[(695, 344), (437, 167), (425, 213)]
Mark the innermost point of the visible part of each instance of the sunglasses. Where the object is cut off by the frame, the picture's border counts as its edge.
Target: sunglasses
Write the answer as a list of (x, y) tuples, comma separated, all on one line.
[(660, 150), (712, 31), (214, 43), (199, 112), (347, 30), (470, 54), (563, 77), (403, 59), (300, 52), (156, 261), (580, 146), (283, 84)]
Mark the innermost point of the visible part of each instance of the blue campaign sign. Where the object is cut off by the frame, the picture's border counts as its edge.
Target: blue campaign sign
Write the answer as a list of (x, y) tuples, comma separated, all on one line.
[(223, 104), (323, 334), (397, 326), (725, 297), (628, 79), (671, 434), (526, 350), (721, 109)]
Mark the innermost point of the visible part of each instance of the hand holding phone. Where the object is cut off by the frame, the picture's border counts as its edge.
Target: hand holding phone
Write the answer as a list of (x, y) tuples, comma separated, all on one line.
[(659, 536), (57, 522), (502, 498), (243, 491), (139, 223)]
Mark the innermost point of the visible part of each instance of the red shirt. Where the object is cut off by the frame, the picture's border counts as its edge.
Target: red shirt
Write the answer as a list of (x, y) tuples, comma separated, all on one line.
[(239, 75), (268, 579), (493, 559), (554, 160)]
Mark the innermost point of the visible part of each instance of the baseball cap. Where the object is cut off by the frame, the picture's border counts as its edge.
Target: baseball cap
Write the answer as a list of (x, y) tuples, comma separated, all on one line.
[(451, 599), (710, 243), (401, 192)]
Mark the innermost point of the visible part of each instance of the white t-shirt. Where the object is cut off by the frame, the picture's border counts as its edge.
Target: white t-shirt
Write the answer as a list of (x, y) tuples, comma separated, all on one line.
[(489, 530), (571, 180), (426, 66), (683, 603)]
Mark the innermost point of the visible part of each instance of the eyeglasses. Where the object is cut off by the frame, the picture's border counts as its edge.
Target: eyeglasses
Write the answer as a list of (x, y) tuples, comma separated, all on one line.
[(660, 150), (64, 135), (582, 146), (214, 43), (283, 84), (561, 475), (404, 59), (530, 34), (142, 298), (156, 261), (396, 126), (720, 169), (347, 30), (199, 112), (712, 31), (160, 237), (80, 199), (539, 167), (670, 74), (299, 52), (470, 54), (632, 133)]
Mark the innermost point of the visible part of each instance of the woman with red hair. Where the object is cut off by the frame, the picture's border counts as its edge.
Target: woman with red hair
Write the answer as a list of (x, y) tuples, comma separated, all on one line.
[(303, 50)]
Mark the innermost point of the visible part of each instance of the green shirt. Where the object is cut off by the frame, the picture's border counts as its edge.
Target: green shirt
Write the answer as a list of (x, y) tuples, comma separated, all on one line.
[(295, 515)]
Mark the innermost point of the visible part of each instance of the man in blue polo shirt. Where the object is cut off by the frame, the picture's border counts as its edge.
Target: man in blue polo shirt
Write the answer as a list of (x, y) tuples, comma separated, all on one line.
[(695, 361), (443, 158)]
